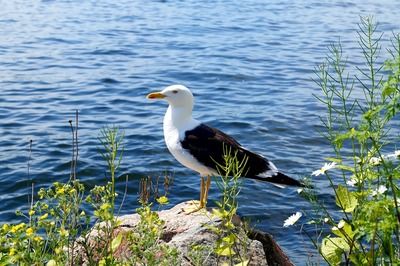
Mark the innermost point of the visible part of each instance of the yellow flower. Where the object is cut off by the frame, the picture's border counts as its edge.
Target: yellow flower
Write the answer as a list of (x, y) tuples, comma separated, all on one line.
[(60, 191), (29, 231), (21, 225), (41, 193), (64, 233), (38, 238), (44, 216), (105, 206), (162, 200), (16, 228), (31, 212), (12, 251), (5, 227)]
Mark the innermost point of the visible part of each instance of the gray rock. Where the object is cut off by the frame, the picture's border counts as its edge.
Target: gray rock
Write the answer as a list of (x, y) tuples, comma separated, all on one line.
[(193, 237)]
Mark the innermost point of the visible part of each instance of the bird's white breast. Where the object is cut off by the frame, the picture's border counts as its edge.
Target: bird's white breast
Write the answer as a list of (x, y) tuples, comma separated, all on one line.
[(173, 134)]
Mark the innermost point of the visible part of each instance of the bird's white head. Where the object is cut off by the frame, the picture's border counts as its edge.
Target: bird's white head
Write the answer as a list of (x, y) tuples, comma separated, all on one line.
[(176, 95)]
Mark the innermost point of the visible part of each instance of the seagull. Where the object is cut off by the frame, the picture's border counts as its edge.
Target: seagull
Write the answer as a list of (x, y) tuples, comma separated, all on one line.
[(202, 148)]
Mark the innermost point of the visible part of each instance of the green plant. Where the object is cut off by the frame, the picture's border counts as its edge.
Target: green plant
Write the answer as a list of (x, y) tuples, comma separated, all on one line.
[(360, 113), (111, 139), (54, 222), (145, 241), (57, 218), (102, 199), (198, 254), (230, 244), (59, 232)]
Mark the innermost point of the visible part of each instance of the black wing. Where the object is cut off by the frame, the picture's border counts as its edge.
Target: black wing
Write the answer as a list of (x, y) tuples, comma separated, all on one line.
[(207, 144)]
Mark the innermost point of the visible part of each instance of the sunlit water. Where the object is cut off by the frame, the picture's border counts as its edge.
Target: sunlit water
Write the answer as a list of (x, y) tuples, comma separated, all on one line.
[(249, 64)]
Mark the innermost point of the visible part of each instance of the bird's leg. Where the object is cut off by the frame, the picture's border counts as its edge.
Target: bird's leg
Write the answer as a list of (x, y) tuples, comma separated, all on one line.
[(206, 189), (202, 192), (195, 205)]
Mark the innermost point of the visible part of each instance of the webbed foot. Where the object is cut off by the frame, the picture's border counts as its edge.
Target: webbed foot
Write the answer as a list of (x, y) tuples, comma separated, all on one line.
[(193, 206)]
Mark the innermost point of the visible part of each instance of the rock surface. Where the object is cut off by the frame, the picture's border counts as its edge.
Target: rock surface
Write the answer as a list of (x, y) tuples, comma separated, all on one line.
[(184, 231)]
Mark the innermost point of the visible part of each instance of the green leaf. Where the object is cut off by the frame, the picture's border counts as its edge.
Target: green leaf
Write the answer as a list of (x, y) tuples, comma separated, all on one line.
[(345, 231), (219, 213), (345, 168), (51, 263), (225, 251), (332, 249), (102, 262), (116, 242), (372, 113), (388, 89), (229, 239), (345, 199)]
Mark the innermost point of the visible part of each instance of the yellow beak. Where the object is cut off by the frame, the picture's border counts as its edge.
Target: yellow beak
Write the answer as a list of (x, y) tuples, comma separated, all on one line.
[(155, 95)]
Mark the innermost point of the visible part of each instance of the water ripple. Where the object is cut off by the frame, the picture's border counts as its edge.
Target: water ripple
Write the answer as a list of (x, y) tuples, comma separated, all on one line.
[(249, 64)]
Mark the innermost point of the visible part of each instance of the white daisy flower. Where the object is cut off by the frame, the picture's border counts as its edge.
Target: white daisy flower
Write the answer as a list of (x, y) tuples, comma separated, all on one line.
[(292, 219), (396, 154), (375, 161), (352, 182), (326, 219), (326, 167), (341, 224), (380, 190)]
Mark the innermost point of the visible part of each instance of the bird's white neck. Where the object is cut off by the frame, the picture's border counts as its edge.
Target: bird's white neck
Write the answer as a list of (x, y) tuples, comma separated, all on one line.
[(179, 118)]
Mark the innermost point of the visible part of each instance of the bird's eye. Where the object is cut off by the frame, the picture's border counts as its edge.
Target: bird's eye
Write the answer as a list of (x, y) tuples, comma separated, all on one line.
[(174, 91)]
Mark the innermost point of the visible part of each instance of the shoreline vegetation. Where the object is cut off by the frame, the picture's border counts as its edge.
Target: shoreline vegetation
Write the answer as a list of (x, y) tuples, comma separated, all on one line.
[(363, 174), (69, 225)]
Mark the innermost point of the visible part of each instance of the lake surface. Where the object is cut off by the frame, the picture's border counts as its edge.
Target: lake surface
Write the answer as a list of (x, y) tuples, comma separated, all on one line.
[(249, 64)]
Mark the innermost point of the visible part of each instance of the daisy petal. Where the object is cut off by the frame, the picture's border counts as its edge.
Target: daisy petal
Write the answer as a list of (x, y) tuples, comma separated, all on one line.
[(292, 219)]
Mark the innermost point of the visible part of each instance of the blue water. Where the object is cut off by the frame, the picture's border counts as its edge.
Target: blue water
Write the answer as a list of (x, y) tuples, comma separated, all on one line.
[(249, 64)]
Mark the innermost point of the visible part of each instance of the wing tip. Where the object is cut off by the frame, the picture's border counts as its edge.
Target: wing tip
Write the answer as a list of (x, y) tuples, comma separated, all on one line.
[(281, 179)]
